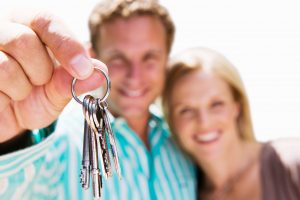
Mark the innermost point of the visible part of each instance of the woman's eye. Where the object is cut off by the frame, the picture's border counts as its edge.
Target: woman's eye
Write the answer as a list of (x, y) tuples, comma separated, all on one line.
[(186, 112)]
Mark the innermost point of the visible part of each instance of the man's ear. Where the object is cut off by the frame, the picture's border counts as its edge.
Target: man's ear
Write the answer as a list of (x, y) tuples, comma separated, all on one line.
[(90, 50)]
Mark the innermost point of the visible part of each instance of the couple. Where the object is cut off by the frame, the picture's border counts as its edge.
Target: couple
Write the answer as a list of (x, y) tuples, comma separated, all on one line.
[(204, 103)]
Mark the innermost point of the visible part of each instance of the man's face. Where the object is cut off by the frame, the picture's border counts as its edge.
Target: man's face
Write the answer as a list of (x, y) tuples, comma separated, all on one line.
[(135, 52)]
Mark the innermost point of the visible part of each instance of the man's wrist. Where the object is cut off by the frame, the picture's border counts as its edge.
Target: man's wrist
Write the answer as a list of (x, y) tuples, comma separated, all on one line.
[(16, 143), (26, 139)]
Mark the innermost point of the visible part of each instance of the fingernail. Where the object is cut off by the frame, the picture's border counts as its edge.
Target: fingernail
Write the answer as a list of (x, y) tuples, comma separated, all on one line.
[(82, 65)]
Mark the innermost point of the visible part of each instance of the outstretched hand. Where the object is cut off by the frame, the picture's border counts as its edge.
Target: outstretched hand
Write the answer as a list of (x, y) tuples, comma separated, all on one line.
[(38, 59)]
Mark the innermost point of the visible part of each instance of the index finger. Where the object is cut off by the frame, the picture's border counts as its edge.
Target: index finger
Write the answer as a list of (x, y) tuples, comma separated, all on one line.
[(68, 51)]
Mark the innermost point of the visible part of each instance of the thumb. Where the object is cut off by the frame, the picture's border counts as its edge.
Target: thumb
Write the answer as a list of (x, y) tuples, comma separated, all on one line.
[(55, 35), (58, 89)]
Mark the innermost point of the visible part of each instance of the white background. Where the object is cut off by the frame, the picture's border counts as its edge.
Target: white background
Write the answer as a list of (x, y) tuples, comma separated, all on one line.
[(261, 37)]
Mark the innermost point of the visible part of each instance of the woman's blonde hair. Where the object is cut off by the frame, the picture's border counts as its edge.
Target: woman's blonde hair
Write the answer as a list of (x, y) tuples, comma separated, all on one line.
[(196, 59)]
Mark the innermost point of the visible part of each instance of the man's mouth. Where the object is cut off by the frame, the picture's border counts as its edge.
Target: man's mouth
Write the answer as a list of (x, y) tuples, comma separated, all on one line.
[(133, 93)]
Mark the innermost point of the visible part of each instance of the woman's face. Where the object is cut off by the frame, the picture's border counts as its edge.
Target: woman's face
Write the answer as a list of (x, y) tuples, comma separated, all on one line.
[(204, 114)]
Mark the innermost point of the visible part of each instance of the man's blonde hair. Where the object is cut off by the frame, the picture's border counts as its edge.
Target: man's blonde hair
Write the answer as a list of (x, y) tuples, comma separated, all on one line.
[(203, 59), (108, 10)]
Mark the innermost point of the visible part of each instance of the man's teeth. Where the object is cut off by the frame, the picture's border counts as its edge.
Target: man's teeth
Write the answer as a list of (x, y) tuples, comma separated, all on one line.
[(207, 137), (134, 93)]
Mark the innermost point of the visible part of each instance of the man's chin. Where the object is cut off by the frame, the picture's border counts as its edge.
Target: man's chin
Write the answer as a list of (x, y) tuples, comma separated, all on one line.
[(132, 113)]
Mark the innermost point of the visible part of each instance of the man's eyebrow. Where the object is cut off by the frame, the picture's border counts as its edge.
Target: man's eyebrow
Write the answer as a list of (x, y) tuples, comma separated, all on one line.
[(114, 54), (117, 55), (152, 52), (155, 51), (111, 52)]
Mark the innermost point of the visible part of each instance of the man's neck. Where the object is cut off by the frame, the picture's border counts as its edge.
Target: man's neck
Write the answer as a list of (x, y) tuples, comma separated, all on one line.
[(140, 126)]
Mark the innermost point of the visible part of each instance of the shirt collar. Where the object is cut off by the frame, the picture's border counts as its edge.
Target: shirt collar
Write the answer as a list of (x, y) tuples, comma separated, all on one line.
[(156, 119)]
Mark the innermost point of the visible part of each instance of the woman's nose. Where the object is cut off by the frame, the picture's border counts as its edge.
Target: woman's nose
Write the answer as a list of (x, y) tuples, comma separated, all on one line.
[(203, 118)]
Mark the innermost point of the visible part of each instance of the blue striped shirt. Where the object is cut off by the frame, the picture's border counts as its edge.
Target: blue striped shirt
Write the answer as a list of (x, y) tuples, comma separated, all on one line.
[(50, 169)]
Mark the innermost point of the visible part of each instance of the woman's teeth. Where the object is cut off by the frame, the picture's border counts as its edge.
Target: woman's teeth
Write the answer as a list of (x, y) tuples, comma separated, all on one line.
[(207, 137)]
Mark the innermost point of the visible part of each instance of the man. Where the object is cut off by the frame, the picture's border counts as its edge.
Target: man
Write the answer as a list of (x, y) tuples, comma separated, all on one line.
[(134, 39)]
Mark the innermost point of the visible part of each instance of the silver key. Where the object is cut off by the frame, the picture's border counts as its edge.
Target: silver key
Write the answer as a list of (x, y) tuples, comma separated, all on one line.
[(101, 139), (85, 164), (96, 174), (113, 145)]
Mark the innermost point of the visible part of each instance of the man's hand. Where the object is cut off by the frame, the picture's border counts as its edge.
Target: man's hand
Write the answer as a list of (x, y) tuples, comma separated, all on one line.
[(38, 59)]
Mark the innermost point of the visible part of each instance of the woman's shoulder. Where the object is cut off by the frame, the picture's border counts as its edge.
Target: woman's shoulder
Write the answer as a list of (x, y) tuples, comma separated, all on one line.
[(287, 150), (280, 169)]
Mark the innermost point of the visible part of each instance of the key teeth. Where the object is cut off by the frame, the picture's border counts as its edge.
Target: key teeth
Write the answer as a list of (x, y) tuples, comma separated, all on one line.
[(109, 174), (84, 179)]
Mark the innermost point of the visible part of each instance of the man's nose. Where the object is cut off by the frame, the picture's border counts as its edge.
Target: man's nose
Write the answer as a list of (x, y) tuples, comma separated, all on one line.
[(135, 74)]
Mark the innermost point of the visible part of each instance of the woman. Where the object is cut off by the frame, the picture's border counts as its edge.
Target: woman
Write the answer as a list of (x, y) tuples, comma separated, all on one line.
[(207, 109)]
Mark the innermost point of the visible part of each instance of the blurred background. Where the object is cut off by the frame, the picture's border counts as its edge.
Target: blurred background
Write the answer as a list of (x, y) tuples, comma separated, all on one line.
[(262, 39)]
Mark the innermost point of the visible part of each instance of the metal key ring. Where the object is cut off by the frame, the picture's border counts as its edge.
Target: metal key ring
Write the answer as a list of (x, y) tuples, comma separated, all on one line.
[(106, 92)]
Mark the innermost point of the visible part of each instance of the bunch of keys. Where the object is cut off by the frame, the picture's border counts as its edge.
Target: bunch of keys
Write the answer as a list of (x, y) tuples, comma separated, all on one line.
[(97, 133)]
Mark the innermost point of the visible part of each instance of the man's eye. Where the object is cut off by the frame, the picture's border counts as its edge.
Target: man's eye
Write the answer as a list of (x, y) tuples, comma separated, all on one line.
[(116, 63), (151, 57), (116, 60), (217, 104), (151, 63)]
